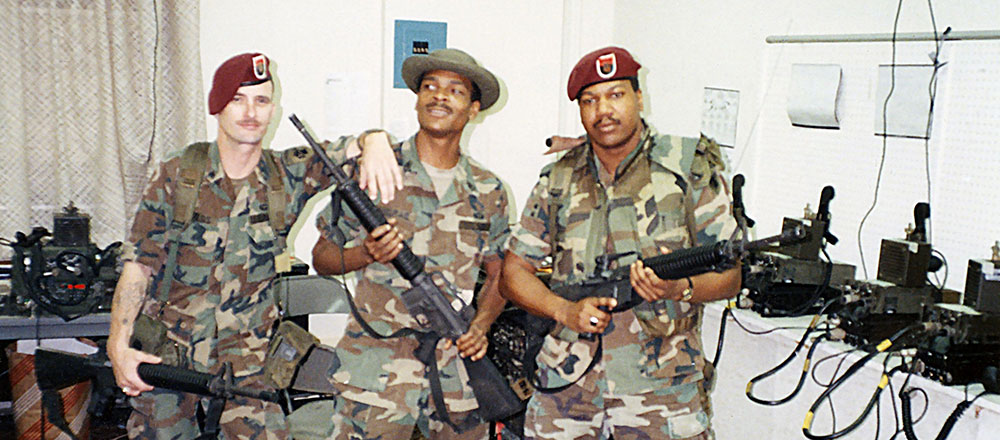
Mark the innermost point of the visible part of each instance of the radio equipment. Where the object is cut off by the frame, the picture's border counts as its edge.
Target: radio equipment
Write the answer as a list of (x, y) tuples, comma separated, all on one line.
[(59, 274), (906, 262), (967, 343), (982, 283)]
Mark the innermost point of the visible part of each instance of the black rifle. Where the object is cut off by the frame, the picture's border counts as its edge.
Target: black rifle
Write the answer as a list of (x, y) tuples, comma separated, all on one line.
[(57, 369), (616, 283), (717, 257), (426, 302)]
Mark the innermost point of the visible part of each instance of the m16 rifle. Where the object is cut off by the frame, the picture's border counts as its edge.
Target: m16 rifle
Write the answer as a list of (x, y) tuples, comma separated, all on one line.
[(427, 303), (56, 370), (717, 257)]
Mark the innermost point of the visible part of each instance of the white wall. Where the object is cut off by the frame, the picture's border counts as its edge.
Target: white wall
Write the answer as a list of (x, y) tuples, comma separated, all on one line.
[(686, 46), (529, 45)]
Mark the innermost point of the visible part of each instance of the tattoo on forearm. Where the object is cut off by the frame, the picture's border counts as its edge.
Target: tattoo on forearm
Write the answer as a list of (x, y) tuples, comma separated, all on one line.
[(128, 301)]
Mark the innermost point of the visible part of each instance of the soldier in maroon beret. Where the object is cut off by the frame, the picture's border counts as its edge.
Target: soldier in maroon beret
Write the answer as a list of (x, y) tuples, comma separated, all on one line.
[(207, 240), (630, 193)]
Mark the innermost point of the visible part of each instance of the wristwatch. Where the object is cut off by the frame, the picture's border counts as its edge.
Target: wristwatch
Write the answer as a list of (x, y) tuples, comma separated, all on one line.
[(688, 293)]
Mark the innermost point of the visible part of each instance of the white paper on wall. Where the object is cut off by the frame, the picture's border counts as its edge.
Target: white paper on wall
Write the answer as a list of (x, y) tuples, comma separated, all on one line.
[(909, 106), (718, 115), (812, 95), (346, 104)]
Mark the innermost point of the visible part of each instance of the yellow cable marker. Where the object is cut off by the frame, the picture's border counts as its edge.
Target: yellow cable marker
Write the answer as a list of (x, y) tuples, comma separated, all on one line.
[(809, 419), (882, 346)]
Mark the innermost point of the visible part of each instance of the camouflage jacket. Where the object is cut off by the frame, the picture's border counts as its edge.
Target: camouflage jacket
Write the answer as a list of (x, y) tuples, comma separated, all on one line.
[(668, 192), (455, 236), (219, 308)]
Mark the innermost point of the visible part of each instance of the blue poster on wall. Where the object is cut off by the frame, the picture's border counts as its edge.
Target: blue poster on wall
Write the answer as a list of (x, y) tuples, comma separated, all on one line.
[(415, 38)]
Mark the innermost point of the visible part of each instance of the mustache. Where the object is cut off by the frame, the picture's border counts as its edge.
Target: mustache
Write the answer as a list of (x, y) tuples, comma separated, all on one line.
[(441, 106), (248, 121), (605, 121)]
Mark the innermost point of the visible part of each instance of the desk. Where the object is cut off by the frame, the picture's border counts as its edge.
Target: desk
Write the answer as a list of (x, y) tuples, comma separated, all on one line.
[(744, 356), (46, 327)]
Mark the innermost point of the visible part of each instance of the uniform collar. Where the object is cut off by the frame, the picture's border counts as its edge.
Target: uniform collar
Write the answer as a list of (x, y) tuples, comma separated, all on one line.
[(215, 174), (463, 172)]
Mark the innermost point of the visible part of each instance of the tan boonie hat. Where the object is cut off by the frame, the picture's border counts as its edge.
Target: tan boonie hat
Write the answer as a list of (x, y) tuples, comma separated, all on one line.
[(452, 60)]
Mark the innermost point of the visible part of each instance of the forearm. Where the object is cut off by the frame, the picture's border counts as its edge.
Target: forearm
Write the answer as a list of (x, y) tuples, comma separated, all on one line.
[(127, 302), (489, 303), (712, 286), (520, 285), (331, 259)]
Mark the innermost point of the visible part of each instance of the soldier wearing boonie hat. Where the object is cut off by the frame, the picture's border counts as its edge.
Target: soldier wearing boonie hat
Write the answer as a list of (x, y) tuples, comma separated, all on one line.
[(631, 192), (205, 243), (452, 212)]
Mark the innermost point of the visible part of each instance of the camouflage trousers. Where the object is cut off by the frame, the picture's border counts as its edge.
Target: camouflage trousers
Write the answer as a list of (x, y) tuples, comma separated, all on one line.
[(672, 412), (341, 418), (164, 414)]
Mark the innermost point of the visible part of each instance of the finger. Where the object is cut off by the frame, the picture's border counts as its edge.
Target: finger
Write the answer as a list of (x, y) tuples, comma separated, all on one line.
[(446, 344), (480, 353), (600, 302), (397, 175), (473, 348), (362, 176), (385, 185)]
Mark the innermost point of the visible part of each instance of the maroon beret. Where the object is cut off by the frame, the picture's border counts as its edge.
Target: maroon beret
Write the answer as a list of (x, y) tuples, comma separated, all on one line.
[(245, 69), (606, 64)]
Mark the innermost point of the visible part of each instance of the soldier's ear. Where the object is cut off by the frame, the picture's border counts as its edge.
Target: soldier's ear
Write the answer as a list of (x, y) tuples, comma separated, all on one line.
[(474, 110)]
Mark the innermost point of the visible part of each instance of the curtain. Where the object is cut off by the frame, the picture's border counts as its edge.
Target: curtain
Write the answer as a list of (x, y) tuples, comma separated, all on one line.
[(92, 94)]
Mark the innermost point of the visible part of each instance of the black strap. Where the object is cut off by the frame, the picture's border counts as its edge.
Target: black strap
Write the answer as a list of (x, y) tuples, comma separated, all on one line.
[(532, 373), (52, 408), (212, 417)]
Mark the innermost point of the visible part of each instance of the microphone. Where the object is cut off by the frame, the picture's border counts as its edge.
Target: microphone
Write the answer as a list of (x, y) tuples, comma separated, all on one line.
[(823, 213), (739, 210), (921, 212)]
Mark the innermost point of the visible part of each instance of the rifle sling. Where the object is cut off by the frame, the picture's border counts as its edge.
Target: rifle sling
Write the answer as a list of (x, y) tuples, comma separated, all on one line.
[(425, 353), (213, 415), (529, 365), (52, 409)]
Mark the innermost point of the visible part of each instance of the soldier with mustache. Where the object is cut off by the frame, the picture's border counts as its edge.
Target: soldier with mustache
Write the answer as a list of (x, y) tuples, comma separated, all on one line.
[(452, 212), (631, 192), (208, 238)]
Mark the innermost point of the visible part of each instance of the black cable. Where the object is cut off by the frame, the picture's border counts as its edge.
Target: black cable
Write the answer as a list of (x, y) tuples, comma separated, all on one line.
[(802, 377), (932, 94), (762, 332), (722, 333), (788, 360), (843, 357), (885, 136), (853, 369)]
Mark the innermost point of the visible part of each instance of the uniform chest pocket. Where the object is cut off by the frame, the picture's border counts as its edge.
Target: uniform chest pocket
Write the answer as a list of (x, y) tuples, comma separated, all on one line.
[(263, 248), (199, 248), (473, 235)]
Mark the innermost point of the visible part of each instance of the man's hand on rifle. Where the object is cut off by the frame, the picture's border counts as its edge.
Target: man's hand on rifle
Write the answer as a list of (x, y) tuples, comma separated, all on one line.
[(125, 364), (587, 315), (472, 344), (384, 243), (651, 287)]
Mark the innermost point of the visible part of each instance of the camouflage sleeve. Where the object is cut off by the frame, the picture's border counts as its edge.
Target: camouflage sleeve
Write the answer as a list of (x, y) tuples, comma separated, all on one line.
[(343, 231), (712, 200), (529, 239), (146, 242), (306, 170), (500, 224)]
